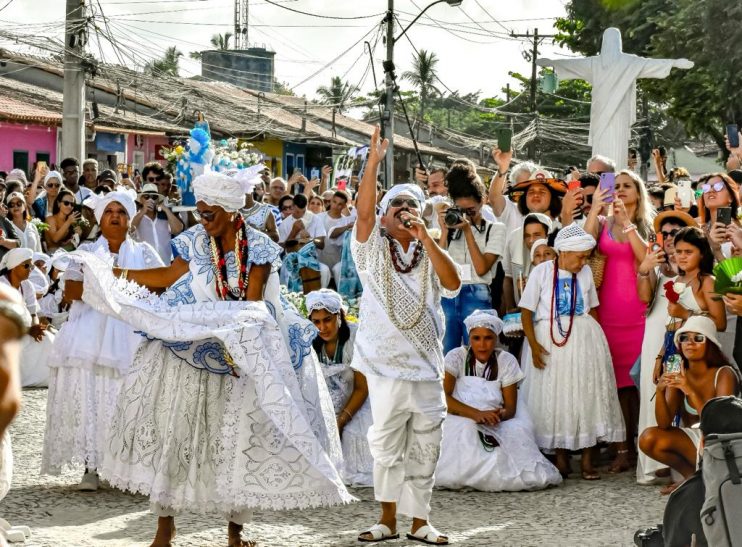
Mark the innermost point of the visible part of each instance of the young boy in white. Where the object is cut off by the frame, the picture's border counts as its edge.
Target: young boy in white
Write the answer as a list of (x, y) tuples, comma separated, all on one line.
[(398, 348)]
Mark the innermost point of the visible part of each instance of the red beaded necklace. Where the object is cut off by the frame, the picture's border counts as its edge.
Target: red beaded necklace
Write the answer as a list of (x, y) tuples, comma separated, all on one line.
[(398, 261), (219, 263), (572, 308)]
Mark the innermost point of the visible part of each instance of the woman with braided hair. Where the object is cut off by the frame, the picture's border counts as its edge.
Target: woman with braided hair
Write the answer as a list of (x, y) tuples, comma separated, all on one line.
[(570, 387), (485, 421)]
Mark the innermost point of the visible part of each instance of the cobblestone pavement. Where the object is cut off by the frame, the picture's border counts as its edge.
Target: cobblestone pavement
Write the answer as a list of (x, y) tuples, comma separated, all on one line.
[(605, 512)]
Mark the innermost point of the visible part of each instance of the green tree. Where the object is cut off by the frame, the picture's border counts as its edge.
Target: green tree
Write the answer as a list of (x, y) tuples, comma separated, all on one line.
[(338, 94), (282, 88), (423, 77), (219, 41), (704, 98), (168, 64)]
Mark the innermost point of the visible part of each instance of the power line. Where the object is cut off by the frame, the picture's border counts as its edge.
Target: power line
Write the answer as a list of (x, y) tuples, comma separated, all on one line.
[(370, 16)]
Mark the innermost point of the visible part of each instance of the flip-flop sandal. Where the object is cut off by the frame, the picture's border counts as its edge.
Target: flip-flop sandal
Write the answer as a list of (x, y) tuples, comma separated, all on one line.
[(379, 532), (590, 475), (428, 534)]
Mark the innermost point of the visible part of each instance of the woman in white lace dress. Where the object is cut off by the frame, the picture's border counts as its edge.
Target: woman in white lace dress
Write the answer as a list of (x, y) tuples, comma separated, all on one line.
[(488, 439), (92, 351), (15, 269), (211, 417), (348, 389)]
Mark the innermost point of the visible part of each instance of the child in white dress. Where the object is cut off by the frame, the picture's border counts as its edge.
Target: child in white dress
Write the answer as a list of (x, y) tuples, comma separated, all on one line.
[(488, 439), (570, 387)]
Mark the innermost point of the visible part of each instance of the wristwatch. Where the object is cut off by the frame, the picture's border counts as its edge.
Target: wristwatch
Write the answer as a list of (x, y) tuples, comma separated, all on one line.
[(16, 314)]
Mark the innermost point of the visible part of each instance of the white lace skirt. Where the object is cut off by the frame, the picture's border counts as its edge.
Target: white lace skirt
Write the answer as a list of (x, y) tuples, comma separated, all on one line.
[(6, 465), (517, 464), (79, 412), (358, 464), (573, 401), (197, 441)]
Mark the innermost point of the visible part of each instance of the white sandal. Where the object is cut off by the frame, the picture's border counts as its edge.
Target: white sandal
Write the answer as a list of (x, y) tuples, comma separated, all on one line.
[(379, 532), (428, 534)]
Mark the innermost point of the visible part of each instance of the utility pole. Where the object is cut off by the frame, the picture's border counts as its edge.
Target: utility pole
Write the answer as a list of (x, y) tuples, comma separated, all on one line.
[(73, 101), (389, 106), (535, 38)]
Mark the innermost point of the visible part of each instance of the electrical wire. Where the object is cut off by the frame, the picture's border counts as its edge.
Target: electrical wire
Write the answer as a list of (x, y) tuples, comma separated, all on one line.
[(339, 18)]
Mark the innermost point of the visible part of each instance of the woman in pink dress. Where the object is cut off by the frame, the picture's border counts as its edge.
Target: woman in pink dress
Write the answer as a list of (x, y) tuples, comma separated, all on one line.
[(622, 238)]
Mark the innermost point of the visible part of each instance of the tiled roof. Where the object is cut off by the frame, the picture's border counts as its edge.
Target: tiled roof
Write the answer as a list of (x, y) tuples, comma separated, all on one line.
[(18, 111)]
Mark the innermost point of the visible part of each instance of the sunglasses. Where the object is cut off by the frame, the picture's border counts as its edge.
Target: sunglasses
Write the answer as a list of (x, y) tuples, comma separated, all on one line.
[(208, 216), (287, 207), (687, 337), (67, 203), (401, 202), (15, 205), (671, 233), (153, 197), (716, 187), (151, 179), (28, 266), (589, 199), (102, 190), (53, 185)]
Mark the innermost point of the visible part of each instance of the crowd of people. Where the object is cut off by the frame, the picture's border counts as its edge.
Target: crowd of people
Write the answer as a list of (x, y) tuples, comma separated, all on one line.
[(513, 324)]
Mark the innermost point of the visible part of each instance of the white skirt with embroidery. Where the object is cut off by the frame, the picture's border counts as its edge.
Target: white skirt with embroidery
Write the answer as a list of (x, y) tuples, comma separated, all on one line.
[(358, 464), (197, 441), (79, 411), (573, 401)]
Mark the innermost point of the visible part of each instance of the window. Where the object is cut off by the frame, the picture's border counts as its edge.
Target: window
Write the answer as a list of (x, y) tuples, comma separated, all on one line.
[(20, 160), (43, 156)]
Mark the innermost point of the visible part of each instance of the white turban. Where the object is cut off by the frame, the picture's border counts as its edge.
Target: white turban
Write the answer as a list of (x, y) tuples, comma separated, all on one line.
[(43, 257), (15, 257), (573, 238), (124, 196), (411, 189), (60, 260), (324, 299), (484, 318), (538, 243), (227, 190), (53, 175), (543, 219)]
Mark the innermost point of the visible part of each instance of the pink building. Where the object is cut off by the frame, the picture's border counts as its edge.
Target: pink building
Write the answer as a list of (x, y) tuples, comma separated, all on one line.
[(27, 134)]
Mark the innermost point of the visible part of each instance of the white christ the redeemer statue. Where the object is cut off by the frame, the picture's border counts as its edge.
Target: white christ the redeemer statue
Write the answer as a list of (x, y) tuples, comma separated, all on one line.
[(613, 75)]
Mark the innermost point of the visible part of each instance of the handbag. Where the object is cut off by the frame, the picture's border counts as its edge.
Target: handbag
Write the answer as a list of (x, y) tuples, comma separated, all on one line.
[(596, 261)]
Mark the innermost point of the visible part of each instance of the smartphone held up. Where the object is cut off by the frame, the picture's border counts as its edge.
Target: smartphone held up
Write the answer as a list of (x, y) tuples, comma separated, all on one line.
[(608, 184)]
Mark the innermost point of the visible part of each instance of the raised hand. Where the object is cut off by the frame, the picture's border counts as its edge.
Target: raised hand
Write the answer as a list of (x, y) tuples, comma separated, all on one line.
[(377, 150)]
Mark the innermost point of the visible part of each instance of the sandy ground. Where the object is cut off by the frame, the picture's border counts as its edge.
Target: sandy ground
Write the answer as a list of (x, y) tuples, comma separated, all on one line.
[(600, 513)]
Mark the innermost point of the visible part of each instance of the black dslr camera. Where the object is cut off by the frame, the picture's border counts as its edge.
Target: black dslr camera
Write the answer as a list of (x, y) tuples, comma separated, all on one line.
[(649, 537), (454, 216)]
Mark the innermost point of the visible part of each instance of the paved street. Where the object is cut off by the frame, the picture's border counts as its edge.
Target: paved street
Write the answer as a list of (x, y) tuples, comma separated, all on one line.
[(605, 512)]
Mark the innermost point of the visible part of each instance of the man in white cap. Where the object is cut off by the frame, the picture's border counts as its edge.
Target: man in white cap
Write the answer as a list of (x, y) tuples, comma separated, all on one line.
[(92, 351), (398, 347), (155, 223)]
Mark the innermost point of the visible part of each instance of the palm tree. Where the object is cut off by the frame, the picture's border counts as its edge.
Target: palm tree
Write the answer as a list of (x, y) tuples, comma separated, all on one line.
[(422, 76), (338, 94), (167, 64), (219, 41)]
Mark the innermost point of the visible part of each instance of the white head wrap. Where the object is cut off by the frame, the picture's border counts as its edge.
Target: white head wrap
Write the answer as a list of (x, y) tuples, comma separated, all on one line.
[(543, 219), (53, 175), (43, 257), (15, 257), (225, 190), (538, 243), (324, 299), (17, 175), (411, 189), (573, 238), (124, 196), (60, 260), (484, 318)]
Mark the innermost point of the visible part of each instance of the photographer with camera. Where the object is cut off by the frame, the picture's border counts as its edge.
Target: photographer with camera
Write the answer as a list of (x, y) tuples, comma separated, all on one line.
[(475, 244)]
